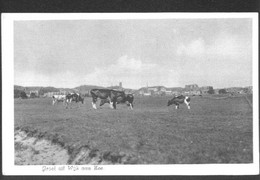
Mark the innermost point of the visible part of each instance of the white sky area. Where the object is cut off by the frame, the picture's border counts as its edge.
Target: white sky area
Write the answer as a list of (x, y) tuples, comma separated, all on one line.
[(168, 52)]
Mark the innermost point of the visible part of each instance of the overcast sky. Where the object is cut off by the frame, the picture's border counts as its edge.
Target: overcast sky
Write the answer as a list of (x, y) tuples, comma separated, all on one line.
[(170, 52)]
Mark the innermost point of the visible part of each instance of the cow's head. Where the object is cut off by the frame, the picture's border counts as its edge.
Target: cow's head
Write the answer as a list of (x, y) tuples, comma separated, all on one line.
[(169, 103), (172, 101)]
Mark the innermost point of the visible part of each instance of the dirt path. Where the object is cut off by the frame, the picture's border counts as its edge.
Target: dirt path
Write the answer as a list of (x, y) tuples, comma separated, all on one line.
[(30, 150)]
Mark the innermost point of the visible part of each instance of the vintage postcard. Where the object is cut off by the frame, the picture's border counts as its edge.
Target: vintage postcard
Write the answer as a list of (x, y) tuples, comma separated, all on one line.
[(130, 94)]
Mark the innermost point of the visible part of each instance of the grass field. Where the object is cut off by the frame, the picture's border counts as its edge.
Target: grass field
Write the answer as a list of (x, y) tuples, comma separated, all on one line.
[(214, 130)]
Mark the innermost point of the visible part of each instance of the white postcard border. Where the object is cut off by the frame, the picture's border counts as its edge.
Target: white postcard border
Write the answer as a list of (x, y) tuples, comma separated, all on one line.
[(197, 169)]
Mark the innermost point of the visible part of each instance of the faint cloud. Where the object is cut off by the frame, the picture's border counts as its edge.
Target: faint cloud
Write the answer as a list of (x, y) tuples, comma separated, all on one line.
[(132, 72), (194, 48), (226, 45), (223, 45), (132, 64), (123, 66)]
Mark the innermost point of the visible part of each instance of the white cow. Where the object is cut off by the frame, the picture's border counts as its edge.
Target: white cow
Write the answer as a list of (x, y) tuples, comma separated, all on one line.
[(58, 98)]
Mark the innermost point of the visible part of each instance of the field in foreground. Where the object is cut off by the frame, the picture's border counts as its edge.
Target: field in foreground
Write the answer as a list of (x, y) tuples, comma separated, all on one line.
[(215, 130)]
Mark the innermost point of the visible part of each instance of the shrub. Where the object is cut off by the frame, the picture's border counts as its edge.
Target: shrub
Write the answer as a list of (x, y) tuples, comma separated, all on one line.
[(17, 93), (222, 91), (23, 95)]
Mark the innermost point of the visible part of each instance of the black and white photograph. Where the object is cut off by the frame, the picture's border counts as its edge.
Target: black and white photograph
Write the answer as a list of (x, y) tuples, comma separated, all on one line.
[(132, 93)]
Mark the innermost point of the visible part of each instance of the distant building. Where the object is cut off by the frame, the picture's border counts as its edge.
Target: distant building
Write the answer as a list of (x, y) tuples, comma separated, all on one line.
[(32, 94), (168, 92), (50, 94), (153, 91), (186, 93), (191, 89), (176, 93), (119, 88), (191, 86), (235, 90), (63, 92), (191, 93), (207, 90), (163, 89), (216, 91), (147, 94), (195, 92)]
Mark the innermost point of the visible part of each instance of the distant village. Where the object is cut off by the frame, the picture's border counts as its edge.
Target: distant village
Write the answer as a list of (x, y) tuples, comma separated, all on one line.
[(190, 90)]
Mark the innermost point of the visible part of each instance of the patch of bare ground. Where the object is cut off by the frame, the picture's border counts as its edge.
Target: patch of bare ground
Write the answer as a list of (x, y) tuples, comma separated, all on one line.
[(36, 148)]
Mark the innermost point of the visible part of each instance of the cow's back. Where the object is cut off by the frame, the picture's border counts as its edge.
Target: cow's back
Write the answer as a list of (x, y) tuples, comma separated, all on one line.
[(117, 94), (100, 93)]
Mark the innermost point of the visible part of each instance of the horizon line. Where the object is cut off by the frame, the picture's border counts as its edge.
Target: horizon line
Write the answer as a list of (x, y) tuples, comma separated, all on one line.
[(139, 87)]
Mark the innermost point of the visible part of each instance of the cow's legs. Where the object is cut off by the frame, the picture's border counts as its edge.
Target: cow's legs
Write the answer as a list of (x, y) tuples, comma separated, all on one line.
[(78, 102), (94, 105), (68, 101), (114, 104), (187, 103), (131, 106), (94, 100), (53, 102), (111, 105), (102, 102)]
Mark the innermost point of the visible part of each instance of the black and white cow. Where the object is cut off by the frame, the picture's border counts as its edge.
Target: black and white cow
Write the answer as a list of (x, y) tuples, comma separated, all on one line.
[(129, 99), (177, 100), (58, 98), (106, 94), (73, 97)]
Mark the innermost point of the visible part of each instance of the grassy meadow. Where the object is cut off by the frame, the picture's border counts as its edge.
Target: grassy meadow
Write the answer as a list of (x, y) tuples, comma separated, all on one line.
[(214, 130)]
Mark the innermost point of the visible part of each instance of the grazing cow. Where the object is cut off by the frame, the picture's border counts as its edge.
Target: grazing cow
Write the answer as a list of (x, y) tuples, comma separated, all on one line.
[(177, 100), (109, 94), (129, 98), (58, 98), (74, 97)]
